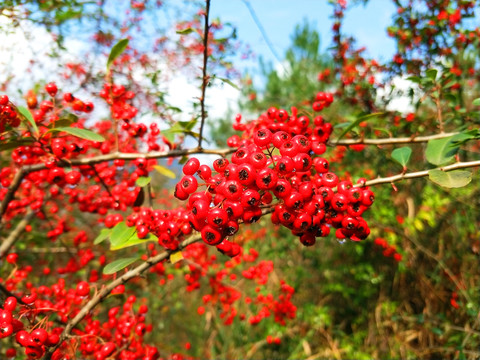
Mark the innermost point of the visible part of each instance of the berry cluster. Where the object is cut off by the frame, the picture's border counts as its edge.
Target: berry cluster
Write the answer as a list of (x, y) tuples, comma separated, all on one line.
[(277, 159), (35, 341), (8, 114), (388, 250)]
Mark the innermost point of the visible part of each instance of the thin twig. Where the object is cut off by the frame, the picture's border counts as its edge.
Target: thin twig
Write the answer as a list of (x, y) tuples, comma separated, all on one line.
[(419, 174), (390, 141), (15, 234), (103, 183), (205, 79)]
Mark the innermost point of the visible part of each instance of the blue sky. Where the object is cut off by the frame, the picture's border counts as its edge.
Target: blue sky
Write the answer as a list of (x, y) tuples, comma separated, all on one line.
[(279, 17)]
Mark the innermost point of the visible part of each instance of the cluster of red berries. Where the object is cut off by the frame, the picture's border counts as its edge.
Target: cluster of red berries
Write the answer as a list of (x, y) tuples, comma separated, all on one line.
[(118, 98), (35, 341), (277, 157), (388, 250), (8, 114)]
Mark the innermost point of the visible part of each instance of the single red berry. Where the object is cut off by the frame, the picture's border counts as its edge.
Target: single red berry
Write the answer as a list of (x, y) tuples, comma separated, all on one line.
[(12, 258), (191, 166), (51, 89), (73, 177), (39, 336), (211, 236), (4, 100), (83, 289)]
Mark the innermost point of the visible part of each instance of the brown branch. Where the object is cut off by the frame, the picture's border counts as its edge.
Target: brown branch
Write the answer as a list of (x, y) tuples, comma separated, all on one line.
[(390, 141), (11, 191), (15, 234), (419, 174), (205, 78), (105, 291), (25, 170), (4, 290)]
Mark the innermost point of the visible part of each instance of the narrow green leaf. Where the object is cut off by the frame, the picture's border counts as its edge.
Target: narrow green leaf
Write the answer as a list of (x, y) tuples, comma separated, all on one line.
[(229, 82), (118, 265), (402, 155), (134, 240), (104, 234), (169, 135), (14, 143), (121, 233), (143, 181), (185, 31), (432, 74), (440, 151), (117, 49), (164, 171), (414, 79), (358, 121), (463, 137), (28, 116), (476, 102), (451, 179), (81, 133)]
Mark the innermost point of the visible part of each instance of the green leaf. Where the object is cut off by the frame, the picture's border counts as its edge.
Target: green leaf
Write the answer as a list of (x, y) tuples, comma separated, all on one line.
[(121, 233), (402, 155), (440, 151), (185, 31), (117, 49), (451, 179), (143, 181), (104, 234), (229, 82), (118, 265), (169, 135), (164, 171), (414, 79), (476, 102), (81, 133), (432, 74), (358, 121), (65, 120), (134, 240), (28, 116), (463, 137)]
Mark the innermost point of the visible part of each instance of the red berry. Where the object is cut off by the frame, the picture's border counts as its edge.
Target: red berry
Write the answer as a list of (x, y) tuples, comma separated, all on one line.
[(12, 258), (51, 89), (83, 289)]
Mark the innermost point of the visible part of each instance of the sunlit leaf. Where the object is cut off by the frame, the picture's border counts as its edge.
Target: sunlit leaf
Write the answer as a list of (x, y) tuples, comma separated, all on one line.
[(104, 234), (143, 181), (28, 116), (402, 155), (164, 171), (121, 233), (451, 179), (117, 49), (185, 31), (432, 74), (358, 121), (229, 82), (118, 265), (81, 133), (134, 240), (176, 257), (440, 151)]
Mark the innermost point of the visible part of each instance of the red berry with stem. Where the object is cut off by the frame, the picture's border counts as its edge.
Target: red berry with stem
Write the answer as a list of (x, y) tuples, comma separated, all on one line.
[(51, 89)]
